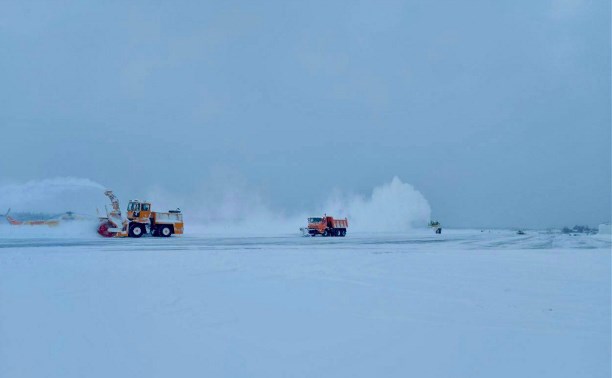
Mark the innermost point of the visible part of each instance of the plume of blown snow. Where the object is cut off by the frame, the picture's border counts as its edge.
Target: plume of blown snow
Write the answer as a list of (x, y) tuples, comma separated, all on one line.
[(237, 209), (225, 209), (52, 195), (392, 207)]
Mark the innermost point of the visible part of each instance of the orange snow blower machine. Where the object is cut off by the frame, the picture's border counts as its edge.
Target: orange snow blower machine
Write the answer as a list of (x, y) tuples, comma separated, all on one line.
[(140, 220)]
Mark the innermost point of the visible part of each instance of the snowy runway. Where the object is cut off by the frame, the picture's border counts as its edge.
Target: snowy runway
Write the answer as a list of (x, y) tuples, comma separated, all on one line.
[(465, 304)]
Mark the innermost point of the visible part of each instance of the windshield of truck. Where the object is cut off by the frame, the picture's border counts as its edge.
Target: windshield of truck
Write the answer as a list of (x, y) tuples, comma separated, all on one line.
[(133, 206), (146, 207), (314, 220)]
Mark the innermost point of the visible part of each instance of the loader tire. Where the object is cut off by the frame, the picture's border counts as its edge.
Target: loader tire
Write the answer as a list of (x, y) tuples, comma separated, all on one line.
[(165, 231), (136, 231)]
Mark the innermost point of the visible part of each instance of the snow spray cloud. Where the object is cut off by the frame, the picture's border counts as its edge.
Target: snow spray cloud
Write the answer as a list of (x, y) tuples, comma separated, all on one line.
[(231, 207), (392, 207), (54, 195), (225, 206)]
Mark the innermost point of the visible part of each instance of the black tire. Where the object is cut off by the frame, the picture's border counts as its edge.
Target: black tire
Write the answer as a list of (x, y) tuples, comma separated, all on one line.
[(165, 231), (338, 232), (343, 233), (154, 232), (326, 233), (136, 230)]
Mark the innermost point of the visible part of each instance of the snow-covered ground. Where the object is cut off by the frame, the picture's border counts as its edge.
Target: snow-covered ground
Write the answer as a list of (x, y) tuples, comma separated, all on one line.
[(460, 304)]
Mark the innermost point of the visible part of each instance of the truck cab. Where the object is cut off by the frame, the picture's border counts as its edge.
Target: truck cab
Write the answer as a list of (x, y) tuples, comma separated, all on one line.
[(316, 225), (138, 211)]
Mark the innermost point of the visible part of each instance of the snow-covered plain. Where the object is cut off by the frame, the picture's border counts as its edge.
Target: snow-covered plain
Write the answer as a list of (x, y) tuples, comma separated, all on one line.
[(460, 304)]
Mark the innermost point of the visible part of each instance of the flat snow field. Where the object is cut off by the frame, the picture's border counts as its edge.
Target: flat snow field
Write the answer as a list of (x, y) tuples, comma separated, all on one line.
[(460, 304)]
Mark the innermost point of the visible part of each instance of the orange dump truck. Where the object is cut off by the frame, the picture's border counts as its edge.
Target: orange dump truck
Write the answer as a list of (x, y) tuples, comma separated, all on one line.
[(327, 226)]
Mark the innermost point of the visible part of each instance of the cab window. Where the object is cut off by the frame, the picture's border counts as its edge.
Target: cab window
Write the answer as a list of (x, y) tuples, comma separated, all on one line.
[(146, 207)]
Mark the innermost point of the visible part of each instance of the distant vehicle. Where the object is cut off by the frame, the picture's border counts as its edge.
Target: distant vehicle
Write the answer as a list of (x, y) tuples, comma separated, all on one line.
[(520, 232), (326, 226), (140, 220), (436, 226), (51, 222), (579, 230)]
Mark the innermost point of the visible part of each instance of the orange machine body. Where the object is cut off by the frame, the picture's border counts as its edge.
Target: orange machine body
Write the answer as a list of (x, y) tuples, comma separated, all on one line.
[(157, 223), (140, 220)]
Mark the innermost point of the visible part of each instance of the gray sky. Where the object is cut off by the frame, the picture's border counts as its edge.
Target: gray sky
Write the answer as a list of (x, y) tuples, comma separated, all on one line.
[(497, 111)]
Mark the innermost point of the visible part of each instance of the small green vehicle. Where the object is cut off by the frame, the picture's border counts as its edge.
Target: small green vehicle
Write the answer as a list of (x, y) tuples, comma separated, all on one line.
[(436, 226)]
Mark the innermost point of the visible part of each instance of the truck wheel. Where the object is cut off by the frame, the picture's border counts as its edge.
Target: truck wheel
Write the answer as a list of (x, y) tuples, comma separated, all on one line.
[(338, 232), (136, 231), (326, 233), (165, 231), (343, 233)]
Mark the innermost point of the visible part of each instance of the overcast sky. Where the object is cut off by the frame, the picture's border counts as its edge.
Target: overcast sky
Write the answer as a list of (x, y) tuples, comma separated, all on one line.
[(497, 111)]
